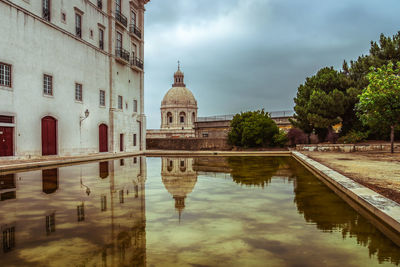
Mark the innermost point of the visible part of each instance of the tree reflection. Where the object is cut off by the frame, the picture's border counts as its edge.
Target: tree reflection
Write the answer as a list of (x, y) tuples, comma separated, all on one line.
[(319, 205), (254, 171)]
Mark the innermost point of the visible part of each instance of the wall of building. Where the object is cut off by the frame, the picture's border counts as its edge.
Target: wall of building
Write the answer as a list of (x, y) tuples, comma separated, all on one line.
[(188, 144), (35, 47)]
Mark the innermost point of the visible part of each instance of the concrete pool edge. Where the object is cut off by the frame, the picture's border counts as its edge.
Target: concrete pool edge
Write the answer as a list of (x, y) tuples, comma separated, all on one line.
[(383, 208), (61, 161)]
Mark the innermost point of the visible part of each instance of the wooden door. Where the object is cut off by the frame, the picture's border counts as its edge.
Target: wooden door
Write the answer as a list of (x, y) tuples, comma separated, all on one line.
[(121, 142), (6, 141), (103, 138), (49, 136)]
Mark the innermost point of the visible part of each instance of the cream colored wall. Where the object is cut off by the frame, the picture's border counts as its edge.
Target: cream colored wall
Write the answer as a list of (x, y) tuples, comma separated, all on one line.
[(35, 47)]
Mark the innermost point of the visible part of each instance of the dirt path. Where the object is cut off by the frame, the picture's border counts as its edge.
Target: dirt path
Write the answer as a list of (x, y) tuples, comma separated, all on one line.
[(378, 171)]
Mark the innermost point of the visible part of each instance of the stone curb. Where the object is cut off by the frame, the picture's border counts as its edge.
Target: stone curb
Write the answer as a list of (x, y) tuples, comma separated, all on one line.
[(383, 208), (62, 161)]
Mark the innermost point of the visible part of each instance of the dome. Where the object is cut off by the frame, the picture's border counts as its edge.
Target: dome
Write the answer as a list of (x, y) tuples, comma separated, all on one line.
[(177, 96)]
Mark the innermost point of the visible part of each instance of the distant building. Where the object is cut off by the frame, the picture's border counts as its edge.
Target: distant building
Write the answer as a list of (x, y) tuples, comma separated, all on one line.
[(71, 77), (219, 126), (178, 111)]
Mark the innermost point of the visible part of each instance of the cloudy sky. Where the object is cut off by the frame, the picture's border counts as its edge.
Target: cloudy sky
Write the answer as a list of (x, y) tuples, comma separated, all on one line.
[(240, 55)]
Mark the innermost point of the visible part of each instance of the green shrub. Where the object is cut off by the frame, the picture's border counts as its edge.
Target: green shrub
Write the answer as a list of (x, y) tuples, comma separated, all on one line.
[(280, 139), (353, 137)]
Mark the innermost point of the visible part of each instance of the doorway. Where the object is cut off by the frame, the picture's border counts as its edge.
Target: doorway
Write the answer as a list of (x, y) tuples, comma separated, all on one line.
[(6, 141), (49, 136), (103, 138)]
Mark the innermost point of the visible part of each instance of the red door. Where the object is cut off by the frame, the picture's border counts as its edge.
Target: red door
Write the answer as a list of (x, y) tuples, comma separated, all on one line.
[(103, 138), (121, 142), (6, 141), (49, 136)]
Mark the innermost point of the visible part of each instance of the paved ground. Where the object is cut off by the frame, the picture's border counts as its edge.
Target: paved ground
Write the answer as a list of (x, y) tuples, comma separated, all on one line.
[(379, 171)]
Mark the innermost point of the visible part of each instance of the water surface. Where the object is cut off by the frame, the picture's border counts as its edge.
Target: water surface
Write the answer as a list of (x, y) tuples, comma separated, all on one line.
[(236, 211)]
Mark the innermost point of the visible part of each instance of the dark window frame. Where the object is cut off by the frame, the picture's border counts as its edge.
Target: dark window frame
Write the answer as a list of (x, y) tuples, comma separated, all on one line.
[(78, 25), (4, 66), (48, 86), (102, 99), (78, 92)]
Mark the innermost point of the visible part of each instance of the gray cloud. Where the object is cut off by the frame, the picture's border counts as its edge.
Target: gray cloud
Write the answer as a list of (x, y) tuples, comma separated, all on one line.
[(246, 54)]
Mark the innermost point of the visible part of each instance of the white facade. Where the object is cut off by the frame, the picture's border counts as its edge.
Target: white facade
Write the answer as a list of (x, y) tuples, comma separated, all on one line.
[(38, 41)]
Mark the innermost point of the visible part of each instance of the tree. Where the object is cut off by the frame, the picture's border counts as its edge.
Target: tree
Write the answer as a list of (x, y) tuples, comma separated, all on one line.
[(252, 129), (321, 102), (380, 100)]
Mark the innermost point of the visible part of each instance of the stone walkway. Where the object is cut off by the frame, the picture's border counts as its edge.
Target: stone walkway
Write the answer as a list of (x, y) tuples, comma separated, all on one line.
[(379, 171)]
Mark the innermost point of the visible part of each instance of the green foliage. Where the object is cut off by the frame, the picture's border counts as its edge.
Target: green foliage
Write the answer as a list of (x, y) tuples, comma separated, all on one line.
[(380, 100), (353, 137), (330, 96), (280, 139), (321, 101), (252, 129)]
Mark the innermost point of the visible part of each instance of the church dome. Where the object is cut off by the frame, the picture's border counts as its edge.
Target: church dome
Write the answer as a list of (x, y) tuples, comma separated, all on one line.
[(179, 96)]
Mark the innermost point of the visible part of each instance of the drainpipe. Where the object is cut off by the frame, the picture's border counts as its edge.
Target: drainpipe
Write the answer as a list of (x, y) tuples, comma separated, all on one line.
[(110, 75)]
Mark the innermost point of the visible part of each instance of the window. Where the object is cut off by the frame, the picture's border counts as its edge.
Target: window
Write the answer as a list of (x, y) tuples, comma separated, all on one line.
[(118, 6), (81, 212), (103, 203), (134, 139), (205, 134), (46, 9), (119, 41), (47, 84), (78, 25), (8, 239), (78, 92), (121, 196), (100, 4), (91, 34), (133, 18), (182, 116), (134, 160), (63, 17), (135, 105), (101, 39), (50, 224), (121, 162), (102, 98), (182, 119), (5, 75), (119, 102)]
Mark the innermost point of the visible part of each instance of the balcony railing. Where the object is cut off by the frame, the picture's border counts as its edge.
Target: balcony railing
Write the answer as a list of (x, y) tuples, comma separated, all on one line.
[(121, 18), (46, 14), (133, 29), (122, 53), (78, 32), (100, 4), (135, 61)]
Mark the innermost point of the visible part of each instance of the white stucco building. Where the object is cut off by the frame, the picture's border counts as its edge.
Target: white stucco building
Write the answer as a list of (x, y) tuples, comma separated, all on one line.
[(71, 77), (178, 111)]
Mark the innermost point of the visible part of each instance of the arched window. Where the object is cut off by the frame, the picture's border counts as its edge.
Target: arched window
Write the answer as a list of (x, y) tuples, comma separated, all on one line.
[(182, 117), (169, 118), (193, 117)]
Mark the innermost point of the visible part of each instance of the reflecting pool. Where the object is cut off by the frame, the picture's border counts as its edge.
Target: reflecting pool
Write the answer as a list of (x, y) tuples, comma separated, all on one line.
[(234, 211)]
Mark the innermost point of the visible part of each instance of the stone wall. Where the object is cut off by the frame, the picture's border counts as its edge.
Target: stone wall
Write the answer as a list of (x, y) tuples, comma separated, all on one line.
[(188, 144), (347, 147)]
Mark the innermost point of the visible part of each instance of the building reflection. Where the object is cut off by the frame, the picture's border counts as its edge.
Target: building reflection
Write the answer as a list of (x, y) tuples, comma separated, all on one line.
[(179, 179), (53, 211)]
